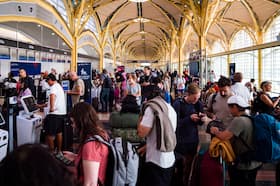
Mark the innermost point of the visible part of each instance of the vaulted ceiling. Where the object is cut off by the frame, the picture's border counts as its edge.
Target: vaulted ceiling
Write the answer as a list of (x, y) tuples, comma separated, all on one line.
[(145, 30), (154, 29)]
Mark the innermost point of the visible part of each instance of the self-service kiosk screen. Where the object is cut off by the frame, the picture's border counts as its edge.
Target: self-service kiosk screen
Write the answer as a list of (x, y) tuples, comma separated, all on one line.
[(29, 104)]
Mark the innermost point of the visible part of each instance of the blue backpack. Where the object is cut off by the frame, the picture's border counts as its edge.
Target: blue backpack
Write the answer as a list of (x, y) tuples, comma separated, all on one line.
[(266, 138)]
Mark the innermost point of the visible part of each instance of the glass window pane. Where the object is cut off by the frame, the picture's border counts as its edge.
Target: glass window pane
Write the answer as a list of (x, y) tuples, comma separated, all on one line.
[(247, 63), (273, 31), (241, 40), (271, 67), (219, 65)]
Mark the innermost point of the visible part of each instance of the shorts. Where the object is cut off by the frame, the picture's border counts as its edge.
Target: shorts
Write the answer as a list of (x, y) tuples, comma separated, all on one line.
[(53, 124)]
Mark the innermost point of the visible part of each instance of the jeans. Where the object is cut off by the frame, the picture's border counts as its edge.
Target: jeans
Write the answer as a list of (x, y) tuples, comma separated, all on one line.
[(105, 93)]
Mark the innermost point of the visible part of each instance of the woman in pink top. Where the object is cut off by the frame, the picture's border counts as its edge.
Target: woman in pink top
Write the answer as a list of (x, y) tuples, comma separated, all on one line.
[(91, 160)]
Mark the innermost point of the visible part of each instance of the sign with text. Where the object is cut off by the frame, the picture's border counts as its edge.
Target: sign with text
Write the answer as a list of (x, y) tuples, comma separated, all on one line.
[(31, 68), (84, 72)]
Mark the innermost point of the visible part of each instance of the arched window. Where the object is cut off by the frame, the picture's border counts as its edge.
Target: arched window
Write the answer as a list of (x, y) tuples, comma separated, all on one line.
[(271, 56), (245, 62), (241, 40), (218, 64), (273, 31), (217, 48)]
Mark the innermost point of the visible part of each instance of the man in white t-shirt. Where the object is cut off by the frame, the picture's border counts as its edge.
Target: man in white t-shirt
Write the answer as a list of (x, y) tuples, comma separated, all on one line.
[(54, 121), (159, 165)]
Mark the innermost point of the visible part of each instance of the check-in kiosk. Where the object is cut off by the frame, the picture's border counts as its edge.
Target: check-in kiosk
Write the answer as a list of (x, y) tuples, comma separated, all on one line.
[(4, 136), (28, 124)]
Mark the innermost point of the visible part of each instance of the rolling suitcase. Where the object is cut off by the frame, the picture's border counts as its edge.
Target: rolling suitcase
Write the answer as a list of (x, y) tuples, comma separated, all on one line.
[(212, 171)]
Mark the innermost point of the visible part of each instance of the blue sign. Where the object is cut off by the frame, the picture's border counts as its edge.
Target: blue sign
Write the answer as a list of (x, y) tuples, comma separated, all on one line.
[(30, 68), (65, 85), (84, 72)]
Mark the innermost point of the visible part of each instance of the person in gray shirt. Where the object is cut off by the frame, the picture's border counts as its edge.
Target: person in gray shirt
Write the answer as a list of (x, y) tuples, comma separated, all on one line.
[(217, 108), (242, 172)]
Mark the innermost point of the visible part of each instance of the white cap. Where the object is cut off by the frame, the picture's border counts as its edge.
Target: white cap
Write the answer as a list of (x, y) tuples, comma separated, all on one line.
[(238, 100)]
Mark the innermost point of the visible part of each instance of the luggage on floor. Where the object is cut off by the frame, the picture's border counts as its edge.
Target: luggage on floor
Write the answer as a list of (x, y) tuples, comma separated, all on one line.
[(128, 134), (195, 172), (124, 120), (212, 171)]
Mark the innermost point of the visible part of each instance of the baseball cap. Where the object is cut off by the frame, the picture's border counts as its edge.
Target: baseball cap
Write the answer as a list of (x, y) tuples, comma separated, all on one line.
[(51, 77), (238, 100)]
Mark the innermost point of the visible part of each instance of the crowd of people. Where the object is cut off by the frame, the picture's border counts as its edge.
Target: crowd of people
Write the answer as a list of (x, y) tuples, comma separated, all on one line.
[(164, 109)]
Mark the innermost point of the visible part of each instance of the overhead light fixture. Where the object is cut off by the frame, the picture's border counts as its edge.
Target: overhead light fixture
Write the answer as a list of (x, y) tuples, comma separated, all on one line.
[(141, 19), (142, 32), (38, 25), (53, 33), (138, 1)]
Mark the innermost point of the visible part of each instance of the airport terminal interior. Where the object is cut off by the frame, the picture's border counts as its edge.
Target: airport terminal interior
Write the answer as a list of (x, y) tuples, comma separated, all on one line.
[(169, 43)]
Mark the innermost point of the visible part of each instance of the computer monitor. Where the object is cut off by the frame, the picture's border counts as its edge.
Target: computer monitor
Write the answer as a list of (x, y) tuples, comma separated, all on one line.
[(29, 104)]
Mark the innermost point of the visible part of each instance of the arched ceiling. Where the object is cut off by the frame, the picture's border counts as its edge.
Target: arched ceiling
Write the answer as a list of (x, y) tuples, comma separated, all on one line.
[(145, 30)]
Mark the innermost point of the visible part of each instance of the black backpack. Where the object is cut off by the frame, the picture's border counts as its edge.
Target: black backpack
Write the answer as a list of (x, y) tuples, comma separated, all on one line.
[(257, 104)]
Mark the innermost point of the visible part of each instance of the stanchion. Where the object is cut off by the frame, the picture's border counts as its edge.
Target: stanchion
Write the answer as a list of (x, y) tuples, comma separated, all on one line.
[(11, 103)]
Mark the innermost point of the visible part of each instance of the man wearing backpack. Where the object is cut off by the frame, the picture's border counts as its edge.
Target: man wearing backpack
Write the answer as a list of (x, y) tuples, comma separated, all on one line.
[(105, 92), (240, 134), (217, 107), (160, 158), (189, 113)]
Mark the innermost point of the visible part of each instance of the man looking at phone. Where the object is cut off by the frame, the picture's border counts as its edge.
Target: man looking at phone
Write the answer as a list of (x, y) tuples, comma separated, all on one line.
[(189, 113)]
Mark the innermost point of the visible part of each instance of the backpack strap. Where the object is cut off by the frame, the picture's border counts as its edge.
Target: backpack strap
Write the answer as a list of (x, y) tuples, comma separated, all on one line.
[(97, 138), (213, 100)]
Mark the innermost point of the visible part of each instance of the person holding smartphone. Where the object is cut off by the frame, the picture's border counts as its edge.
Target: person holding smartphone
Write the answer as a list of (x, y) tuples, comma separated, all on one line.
[(189, 111)]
